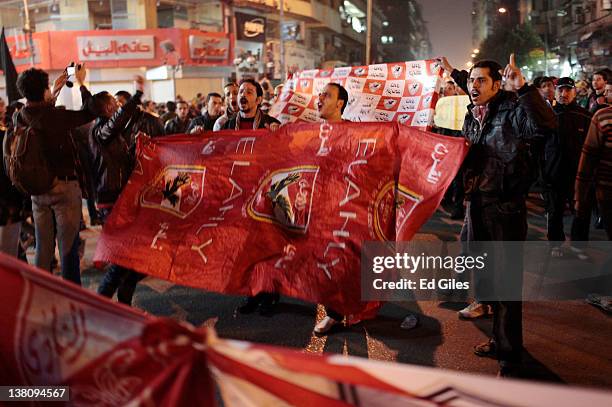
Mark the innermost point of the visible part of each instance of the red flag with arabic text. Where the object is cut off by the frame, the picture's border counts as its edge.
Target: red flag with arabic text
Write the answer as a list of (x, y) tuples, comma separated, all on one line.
[(287, 212)]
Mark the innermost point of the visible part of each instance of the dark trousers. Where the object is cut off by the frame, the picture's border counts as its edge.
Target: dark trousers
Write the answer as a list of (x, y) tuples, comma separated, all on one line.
[(605, 209), (581, 224), (505, 221), (71, 263), (333, 314), (117, 278), (121, 280)]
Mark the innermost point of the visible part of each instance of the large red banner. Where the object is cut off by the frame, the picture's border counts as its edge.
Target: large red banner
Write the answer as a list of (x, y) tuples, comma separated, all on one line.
[(55, 333), (288, 212)]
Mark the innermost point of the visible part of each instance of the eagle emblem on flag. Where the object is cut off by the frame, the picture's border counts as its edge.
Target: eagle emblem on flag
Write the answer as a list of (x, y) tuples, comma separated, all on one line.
[(285, 198), (177, 189)]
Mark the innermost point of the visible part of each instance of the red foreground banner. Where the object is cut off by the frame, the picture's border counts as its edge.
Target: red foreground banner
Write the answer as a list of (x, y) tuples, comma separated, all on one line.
[(55, 333), (287, 212)]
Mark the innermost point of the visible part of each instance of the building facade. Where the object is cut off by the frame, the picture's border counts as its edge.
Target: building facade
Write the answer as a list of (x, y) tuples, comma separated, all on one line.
[(405, 36), (577, 34)]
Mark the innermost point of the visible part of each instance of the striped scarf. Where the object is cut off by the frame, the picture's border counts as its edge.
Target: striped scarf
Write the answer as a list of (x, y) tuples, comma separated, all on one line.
[(256, 122)]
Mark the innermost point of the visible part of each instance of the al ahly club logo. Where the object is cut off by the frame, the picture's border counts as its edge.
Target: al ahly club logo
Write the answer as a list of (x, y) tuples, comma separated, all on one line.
[(285, 198), (177, 189), (392, 209)]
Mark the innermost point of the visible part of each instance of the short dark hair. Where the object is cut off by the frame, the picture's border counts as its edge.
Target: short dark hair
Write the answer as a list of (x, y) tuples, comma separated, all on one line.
[(540, 80), (342, 95), (603, 73), (493, 67), (230, 84), (212, 95), (32, 84), (123, 94), (181, 102), (253, 82), (171, 106), (98, 102)]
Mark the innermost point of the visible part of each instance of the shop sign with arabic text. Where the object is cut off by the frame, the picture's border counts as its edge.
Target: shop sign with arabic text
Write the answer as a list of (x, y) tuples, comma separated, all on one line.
[(104, 48)]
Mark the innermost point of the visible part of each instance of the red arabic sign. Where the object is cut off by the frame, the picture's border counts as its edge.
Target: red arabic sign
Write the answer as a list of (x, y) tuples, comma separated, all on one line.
[(100, 48), (208, 48), (19, 47)]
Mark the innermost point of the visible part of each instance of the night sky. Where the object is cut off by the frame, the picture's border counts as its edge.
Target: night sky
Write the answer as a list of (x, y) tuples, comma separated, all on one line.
[(450, 29)]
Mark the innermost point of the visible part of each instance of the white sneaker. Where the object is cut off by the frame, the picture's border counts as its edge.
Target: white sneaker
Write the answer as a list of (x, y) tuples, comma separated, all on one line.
[(325, 325), (579, 253), (475, 310), (410, 322)]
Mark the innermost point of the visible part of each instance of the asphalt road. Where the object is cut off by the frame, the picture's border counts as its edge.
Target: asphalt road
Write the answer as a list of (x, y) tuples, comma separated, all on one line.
[(566, 342)]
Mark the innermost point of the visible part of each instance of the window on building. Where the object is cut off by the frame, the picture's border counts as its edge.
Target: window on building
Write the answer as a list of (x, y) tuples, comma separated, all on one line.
[(100, 13), (119, 14)]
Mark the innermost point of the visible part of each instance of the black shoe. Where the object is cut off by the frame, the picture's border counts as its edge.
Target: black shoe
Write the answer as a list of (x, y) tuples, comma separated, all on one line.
[(267, 309), (509, 369), (249, 305), (268, 303), (457, 214), (486, 349)]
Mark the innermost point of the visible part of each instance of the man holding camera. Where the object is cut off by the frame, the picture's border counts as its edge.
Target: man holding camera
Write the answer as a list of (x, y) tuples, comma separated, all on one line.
[(62, 203)]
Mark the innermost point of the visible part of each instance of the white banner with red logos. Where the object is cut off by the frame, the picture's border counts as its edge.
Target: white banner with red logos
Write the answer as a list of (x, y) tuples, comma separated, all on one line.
[(55, 333), (406, 92)]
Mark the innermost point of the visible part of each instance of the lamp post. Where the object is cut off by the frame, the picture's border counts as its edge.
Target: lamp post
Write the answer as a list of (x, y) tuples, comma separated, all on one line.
[(27, 30), (282, 41), (369, 33)]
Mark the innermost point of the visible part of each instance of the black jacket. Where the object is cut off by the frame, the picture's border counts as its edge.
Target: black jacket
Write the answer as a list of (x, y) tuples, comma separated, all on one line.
[(177, 126), (55, 126), (112, 142), (497, 167), (562, 149), (11, 200), (206, 121)]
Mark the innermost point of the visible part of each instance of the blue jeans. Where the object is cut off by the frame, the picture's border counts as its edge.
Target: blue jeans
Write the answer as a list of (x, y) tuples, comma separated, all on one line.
[(62, 203)]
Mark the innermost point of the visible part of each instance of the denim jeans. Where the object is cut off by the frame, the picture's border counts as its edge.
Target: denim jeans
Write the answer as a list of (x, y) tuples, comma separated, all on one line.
[(9, 238), (62, 203)]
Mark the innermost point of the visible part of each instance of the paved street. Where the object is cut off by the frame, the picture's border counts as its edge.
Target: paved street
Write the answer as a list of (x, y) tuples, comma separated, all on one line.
[(567, 342)]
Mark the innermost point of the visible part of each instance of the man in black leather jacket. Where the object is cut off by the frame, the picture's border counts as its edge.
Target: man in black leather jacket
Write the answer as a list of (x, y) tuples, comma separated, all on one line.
[(112, 138), (142, 121), (499, 125), (561, 157)]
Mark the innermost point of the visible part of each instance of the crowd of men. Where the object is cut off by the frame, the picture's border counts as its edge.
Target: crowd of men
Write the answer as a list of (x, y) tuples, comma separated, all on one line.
[(550, 131)]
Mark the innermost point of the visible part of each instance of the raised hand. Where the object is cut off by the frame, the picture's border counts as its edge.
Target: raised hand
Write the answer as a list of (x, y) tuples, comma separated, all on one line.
[(59, 83), (139, 83), (446, 65), (80, 74), (513, 77)]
